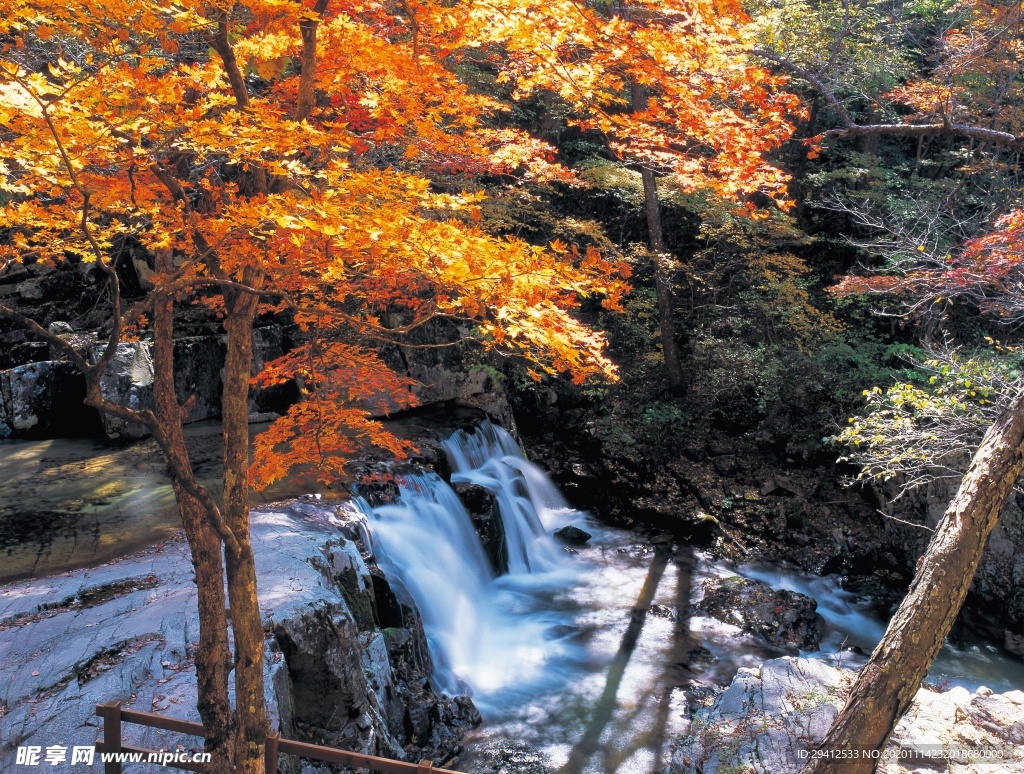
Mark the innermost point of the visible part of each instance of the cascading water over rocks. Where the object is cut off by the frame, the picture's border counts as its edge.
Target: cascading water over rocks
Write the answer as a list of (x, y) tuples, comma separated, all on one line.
[(481, 629)]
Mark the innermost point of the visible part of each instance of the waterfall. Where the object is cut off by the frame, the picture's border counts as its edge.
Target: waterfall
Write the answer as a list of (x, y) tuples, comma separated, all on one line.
[(490, 457), (485, 632)]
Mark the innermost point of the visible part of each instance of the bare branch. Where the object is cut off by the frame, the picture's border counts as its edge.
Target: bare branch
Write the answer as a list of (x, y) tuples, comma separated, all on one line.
[(51, 338), (814, 80), (837, 44), (851, 128)]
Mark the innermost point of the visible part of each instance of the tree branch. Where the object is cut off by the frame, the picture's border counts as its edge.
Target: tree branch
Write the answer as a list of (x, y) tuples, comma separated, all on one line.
[(851, 128), (819, 85), (51, 338)]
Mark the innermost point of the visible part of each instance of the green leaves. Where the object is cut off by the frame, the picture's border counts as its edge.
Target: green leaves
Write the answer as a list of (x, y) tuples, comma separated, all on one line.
[(913, 432)]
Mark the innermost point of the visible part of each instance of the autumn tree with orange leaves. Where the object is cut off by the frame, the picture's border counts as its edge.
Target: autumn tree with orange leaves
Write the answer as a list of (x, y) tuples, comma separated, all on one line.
[(273, 156), (277, 157)]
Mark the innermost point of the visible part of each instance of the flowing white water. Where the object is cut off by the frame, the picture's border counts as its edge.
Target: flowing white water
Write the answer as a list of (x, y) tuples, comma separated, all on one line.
[(487, 632), (850, 621), (527, 500), (536, 647)]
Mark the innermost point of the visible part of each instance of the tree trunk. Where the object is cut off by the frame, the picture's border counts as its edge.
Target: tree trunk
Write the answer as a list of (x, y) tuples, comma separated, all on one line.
[(662, 273), (887, 685), (246, 623), (800, 165), (306, 100), (213, 657), (870, 143), (662, 283)]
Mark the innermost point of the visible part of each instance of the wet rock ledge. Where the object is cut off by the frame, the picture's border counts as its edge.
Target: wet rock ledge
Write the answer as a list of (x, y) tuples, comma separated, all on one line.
[(769, 718), (347, 659), (783, 619)]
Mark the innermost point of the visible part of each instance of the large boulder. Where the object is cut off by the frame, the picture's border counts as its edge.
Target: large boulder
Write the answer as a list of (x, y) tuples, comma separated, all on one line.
[(198, 368), (127, 381), (128, 630), (44, 400), (784, 619)]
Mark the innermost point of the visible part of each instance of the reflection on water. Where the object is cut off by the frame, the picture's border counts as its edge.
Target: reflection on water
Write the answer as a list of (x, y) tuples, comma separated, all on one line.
[(68, 503), (581, 663), (75, 502)]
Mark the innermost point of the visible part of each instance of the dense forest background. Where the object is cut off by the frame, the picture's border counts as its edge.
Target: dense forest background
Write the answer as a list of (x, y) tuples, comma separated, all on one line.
[(864, 332)]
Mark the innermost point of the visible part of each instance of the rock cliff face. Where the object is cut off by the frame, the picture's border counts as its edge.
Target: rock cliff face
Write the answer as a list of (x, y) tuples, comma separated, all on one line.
[(998, 588), (703, 485), (347, 661), (41, 396), (769, 718)]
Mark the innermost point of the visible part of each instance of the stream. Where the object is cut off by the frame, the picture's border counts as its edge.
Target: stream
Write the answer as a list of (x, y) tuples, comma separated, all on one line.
[(68, 503), (582, 659), (585, 660)]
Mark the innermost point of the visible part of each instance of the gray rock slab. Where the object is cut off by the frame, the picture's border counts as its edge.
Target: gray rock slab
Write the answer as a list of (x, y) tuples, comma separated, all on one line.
[(769, 717), (57, 662)]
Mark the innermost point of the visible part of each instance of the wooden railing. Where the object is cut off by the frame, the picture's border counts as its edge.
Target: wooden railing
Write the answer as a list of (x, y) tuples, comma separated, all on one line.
[(114, 715)]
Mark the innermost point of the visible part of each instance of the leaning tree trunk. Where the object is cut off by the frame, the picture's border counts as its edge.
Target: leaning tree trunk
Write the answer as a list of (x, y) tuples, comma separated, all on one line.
[(246, 623), (887, 685)]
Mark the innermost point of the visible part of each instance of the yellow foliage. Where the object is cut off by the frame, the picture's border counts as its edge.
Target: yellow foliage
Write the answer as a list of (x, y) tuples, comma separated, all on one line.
[(141, 136)]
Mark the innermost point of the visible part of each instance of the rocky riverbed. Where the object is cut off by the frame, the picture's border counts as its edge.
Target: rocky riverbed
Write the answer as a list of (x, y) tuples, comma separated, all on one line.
[(347, 663), (769, 717)]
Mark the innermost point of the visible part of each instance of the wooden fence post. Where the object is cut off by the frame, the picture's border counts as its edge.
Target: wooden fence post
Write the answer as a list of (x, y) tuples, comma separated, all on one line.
[(111, 743), (270, 752), (111, 714)]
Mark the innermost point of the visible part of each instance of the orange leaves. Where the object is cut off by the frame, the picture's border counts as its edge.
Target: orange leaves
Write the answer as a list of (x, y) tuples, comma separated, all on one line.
[(513, 152), (334, 214), (343, 387), (319, 437), (813, 145), (705, 114)]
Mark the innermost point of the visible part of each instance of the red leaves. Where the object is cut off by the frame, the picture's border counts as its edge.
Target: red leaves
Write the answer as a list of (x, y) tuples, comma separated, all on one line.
[(987, 273)]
